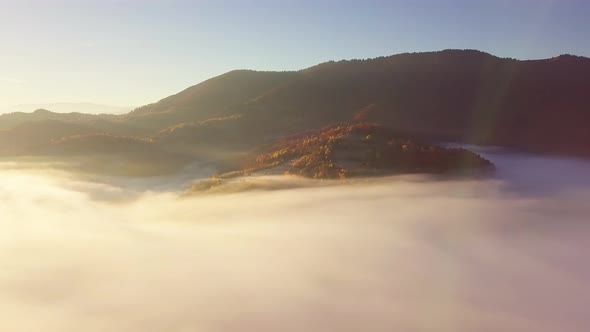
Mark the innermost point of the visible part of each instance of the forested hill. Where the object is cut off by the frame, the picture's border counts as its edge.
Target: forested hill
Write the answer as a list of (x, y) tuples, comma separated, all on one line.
[(455, 95)]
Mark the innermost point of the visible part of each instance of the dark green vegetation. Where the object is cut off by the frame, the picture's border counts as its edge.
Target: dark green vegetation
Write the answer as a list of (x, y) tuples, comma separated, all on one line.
[(453, 95)]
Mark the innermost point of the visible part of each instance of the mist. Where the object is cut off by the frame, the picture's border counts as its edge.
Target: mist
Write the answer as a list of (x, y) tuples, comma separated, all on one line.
[(408, 253)]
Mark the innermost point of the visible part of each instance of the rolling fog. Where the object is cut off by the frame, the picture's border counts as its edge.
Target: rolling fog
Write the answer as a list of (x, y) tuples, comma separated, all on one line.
[(395, 254)]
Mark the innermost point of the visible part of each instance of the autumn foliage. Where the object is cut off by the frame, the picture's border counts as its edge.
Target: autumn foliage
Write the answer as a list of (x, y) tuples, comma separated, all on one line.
[(363, 149)]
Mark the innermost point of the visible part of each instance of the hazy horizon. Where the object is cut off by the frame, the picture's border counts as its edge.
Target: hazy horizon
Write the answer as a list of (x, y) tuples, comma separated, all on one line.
[(68, 107)]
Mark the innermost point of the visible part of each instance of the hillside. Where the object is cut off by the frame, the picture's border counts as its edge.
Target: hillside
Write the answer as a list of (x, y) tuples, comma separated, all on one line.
[(350, 150), (9, 120), (453, 95), (465, 96), (364, 149), (31, 138), (218, 97)]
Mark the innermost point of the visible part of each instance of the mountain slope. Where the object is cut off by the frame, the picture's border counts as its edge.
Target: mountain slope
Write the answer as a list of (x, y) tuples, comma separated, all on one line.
[(459, 95), (217, 97), (453, 95), (9, 120), (31, 138)]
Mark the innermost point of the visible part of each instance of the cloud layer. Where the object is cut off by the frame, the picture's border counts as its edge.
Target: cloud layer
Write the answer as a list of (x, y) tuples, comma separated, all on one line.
[(401, 254)]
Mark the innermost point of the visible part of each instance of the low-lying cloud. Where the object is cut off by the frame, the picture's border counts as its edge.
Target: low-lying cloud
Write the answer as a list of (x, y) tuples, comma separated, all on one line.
[(400, 254)]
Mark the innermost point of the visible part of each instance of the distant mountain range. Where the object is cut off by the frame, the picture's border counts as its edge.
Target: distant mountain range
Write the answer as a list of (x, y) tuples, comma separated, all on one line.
[(453, 95), (89, 108)]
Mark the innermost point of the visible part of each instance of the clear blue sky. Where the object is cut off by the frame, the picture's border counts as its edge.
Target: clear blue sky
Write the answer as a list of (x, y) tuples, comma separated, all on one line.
[(137, 51)]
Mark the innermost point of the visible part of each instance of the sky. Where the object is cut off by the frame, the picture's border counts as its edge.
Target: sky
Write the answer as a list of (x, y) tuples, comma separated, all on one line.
[(134, 52)]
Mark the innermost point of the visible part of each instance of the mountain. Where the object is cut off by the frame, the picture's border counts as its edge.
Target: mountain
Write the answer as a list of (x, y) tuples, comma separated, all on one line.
[(463, 96), (458, 95), (102, 122), (89, 108), (9, 120), (30, 138), (215, 98)]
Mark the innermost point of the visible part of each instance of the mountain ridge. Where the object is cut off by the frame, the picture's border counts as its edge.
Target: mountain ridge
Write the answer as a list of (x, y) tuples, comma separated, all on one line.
[(70, 107), (464, 96)]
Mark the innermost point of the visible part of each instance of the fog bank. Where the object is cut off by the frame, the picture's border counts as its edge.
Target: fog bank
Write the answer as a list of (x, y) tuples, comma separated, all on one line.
[(393, 254)]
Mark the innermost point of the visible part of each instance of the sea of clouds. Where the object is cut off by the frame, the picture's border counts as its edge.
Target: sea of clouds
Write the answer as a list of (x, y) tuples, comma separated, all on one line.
[(394, 254)]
